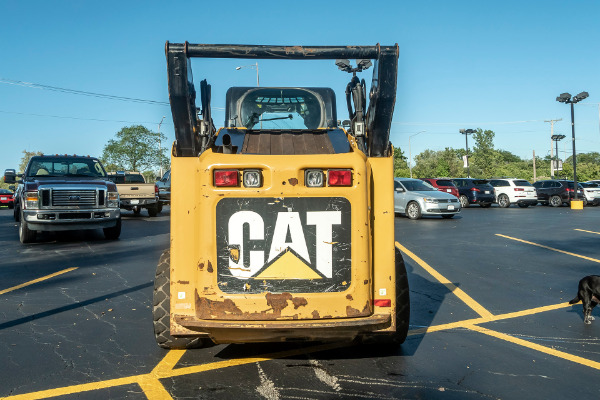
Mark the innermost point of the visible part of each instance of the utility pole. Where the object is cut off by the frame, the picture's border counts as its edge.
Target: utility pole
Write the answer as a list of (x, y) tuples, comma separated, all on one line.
[(552, 121), (534, 173)]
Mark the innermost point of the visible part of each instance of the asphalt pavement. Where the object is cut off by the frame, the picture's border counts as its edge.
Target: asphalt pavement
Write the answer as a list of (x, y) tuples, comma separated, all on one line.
[(489, 318)]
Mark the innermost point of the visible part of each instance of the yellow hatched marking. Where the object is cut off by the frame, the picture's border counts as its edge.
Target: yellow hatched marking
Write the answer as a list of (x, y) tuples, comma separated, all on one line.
[(537, 347), (550, 248), (468, 300), (583, 230), (43, 278)]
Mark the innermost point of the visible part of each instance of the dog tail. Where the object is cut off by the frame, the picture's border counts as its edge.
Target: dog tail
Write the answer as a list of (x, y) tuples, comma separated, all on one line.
[(575, 300)]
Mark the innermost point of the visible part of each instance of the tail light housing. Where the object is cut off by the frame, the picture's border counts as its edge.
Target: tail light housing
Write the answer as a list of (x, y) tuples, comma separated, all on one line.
[(339, 177), (519, 189), (226, 177), (475, 190)]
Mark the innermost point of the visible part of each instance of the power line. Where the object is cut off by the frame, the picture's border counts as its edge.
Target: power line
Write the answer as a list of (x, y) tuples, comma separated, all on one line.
[(81, 92), (76, 118)]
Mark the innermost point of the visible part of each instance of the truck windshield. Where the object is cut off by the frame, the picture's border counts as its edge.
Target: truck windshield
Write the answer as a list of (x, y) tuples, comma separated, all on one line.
[(278, 108), (65, 167)]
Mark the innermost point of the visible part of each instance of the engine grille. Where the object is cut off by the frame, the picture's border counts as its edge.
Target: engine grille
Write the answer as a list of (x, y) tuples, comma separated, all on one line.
[(73, 198)]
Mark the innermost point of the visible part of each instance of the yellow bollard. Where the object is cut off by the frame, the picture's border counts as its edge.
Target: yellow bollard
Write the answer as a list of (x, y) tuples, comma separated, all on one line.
[(576, 204)]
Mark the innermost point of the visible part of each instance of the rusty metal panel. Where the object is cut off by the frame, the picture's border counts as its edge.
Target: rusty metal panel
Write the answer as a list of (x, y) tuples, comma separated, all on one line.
[(286, 143)]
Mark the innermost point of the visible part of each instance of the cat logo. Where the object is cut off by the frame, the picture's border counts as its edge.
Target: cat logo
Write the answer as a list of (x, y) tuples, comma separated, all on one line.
[(283, 244)]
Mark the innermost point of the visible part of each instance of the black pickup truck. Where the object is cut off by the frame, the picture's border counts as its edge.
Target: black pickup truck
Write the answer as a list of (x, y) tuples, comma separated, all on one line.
[(61, 192)]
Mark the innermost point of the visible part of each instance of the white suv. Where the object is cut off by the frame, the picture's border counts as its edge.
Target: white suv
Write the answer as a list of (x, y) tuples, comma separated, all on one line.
[(517, 191)]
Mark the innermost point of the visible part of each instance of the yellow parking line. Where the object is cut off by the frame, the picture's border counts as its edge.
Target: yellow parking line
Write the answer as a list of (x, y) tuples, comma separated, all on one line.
[(537, 347), (549, 248), (475, 321), (468, 300), (43, 278), (583, 230)]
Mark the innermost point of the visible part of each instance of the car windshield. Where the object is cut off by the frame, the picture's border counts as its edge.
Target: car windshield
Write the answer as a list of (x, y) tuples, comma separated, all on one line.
[(281, 109), (65, 167), (128, 178), (589, 185), (444, 182), (5, 191), (522, 183), (418, 186), (480, 182)]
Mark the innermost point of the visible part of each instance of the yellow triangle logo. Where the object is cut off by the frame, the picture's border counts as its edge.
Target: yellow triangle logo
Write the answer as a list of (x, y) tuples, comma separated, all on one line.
[(288, 266)]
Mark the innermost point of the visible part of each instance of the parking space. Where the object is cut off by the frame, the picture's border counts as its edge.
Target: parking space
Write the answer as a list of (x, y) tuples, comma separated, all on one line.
[(489, 319)]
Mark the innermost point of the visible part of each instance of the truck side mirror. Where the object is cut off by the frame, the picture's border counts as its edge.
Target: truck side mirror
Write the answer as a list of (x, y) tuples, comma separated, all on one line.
[(10, 176)]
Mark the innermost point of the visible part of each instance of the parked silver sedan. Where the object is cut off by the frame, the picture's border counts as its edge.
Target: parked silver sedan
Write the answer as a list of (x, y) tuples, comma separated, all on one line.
[(415, 198)]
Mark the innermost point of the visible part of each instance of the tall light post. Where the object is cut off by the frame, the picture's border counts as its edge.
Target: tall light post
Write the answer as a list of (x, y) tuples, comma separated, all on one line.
[(566, 98), (160, 148), (255, 66), (552, 121), (410, 154), (555, 138), (467, 132)]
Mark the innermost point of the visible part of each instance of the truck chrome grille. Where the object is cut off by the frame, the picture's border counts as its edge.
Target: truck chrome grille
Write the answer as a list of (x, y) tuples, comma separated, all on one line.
[(73, 198)]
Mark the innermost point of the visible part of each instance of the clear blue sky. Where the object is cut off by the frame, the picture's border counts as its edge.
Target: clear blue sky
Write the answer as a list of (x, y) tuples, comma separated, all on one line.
[(463, 64)]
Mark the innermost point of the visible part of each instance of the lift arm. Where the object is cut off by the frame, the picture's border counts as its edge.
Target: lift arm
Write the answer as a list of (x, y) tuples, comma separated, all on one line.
[(189, 129)]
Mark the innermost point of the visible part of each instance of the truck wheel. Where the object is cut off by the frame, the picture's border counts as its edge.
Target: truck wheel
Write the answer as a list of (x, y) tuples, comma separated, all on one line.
[(114, 232), (160, 207), (161, 310), (153, 210), (26, 235)]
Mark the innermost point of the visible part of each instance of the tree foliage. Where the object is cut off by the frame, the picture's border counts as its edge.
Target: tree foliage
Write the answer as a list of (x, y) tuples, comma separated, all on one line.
[(25, 159), (135, 148), (487, 162), (400, 164)]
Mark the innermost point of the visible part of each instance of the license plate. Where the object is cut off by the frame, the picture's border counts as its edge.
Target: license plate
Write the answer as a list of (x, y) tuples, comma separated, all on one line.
[(135, 201), (450, 207), (487, 192), (449, 190), (2, 198)]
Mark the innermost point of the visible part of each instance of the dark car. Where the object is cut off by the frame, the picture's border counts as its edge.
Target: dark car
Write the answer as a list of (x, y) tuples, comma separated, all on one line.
[(474, 191), (555, 192), (164, 188), (6, 198), (443, 185)]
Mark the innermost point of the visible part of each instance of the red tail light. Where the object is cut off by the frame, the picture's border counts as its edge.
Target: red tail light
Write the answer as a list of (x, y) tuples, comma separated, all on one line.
[(569, 190), (226, 177), (475, 190), (156, 189), (339, 177), (519, 190), (382, 303)]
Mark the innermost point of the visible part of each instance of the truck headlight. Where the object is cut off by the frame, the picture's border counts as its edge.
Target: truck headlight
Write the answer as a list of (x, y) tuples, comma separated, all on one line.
[(112, 199), (31, 200)]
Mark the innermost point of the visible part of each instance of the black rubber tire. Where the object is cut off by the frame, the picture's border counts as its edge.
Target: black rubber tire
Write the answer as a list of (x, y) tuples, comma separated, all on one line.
[(503, 201), (555, 201), (114, 232), (413, 210), (161, 310), (26, 235), (153, 210), (160, 207), (464, 201)]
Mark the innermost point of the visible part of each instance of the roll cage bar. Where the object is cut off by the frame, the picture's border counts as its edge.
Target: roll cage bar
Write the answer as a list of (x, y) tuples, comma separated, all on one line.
[(194, 135)]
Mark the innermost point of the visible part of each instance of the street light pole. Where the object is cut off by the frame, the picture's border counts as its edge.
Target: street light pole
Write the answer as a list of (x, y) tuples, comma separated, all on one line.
[(566, 98), (410, 154), (467, 132), (556, 139), (552, 121), (255, 66), (160, 148)]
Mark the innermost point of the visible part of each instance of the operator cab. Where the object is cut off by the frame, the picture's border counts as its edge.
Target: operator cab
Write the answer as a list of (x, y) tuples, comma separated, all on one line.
[(280, 108)]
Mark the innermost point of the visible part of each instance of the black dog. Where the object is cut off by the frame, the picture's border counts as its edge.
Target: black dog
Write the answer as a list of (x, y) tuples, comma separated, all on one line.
[(589, 294)]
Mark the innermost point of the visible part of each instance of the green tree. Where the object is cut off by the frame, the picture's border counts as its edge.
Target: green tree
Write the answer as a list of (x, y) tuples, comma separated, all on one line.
[(484, 157), (400, 163), (25, 159), (435, 164), (135, 148)]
